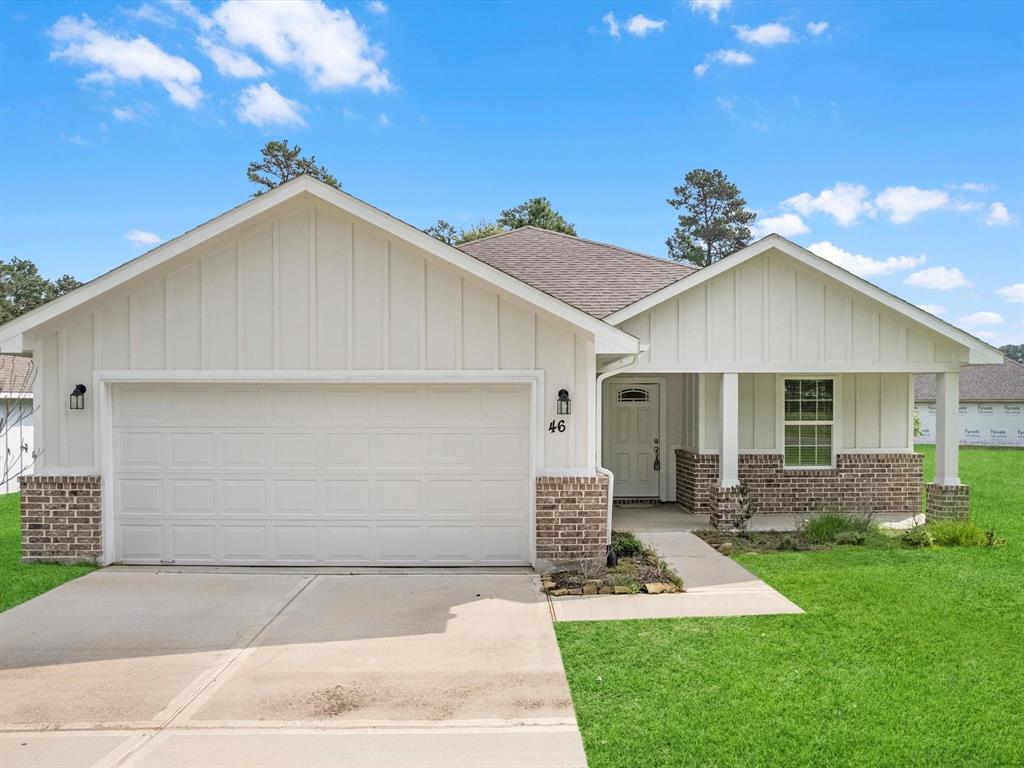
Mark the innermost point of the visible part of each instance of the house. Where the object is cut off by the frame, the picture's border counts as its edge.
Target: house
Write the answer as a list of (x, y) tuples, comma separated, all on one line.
[(991, 405), (308, 380), (16, 413)]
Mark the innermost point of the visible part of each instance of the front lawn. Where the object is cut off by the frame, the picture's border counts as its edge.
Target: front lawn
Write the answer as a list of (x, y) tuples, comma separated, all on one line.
[(904, 658), (22, 581)]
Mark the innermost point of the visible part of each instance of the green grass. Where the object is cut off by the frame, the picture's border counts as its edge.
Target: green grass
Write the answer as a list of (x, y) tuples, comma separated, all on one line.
[(22, 581), (904, 658)]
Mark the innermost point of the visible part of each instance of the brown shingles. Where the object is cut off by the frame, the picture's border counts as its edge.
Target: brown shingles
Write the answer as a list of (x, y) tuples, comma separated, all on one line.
[(979, 383), (597, 278)]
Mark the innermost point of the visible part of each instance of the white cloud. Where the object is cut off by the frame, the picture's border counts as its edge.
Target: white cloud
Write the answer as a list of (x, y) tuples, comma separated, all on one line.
[(864, 266), (325, 44), (613, 25), (933, 309), (114, 58), (350, 114), (73, 138), (230, 63), (710, 7), (726, 103), (1012, 293), (383, 119), (726, 56), (189, 11), (148, 12), (939, 279), (973, 186), (125, 114), (999, 215), (141, 237), (981, 318), (766, 35), (905, 204), (641, 26), (786, 224), (843, 202), (701, 69), (817, 27), (262, 105), (376, 7)]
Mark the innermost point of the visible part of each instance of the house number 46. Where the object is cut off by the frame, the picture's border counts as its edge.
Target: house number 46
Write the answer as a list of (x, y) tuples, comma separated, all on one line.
[(557, 426)]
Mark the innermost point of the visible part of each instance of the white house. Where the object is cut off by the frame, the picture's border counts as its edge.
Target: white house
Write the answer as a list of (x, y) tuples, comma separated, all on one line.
[(991, 405), (16, 416), (308, 380)]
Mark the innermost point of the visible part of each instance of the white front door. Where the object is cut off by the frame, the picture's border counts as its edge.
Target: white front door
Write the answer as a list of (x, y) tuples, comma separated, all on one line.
[(322, 474), (633, 440)]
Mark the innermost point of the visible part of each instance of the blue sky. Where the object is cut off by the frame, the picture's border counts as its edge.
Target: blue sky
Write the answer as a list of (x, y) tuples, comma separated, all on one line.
[(886, 136)]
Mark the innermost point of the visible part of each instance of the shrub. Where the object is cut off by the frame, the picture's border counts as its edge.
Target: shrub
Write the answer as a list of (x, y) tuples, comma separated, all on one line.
[(626, 544), (855, 538), (918, 537), (992, 540), (956, 533), (823, 528), (788, 544)]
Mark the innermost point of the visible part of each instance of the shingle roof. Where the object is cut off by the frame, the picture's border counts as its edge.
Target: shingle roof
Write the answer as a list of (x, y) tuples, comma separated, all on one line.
[(979, 383), (598, 278), (16, 374)]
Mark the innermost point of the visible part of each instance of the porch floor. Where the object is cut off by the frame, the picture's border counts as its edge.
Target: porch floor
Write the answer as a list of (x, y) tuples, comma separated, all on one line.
[(670, 517)]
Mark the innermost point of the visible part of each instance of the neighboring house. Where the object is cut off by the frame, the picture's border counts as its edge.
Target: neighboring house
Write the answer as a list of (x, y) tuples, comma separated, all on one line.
[(991, 405), (16, 415), (308, 380)]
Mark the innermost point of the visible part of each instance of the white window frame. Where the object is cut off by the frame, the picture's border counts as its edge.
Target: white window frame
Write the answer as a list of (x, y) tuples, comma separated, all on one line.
[(780, 417)]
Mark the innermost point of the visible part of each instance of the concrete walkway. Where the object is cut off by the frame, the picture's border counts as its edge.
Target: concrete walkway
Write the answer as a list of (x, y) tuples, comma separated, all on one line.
[(152, 669), (715, 586)]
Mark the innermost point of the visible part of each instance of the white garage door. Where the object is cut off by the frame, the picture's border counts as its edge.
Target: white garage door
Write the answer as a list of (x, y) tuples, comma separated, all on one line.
[(322, 474)]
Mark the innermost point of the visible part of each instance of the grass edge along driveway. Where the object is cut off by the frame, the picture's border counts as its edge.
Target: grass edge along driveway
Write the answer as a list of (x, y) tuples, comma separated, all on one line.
[(904, 658), (22, 581)]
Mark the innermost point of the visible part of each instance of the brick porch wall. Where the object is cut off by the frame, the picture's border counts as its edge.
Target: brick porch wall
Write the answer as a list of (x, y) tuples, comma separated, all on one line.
[(860, 482), (60, 518), (947, 502), (572, 518)]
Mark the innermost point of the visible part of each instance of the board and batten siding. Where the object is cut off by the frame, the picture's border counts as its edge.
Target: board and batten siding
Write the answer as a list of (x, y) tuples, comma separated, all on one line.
[(773, 313), (306, 287)]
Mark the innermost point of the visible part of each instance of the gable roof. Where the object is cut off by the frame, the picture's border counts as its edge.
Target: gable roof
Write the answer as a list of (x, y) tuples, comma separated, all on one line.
[(979, 351), (595, 277), (608, 338), (979, 383), (16, 375)]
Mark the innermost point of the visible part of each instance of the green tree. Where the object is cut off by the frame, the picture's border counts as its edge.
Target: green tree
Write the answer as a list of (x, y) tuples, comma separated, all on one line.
[(1013, 351), (22, 288), (535, 212), (281, 163), (481, 229), (714, 221), (443, 231)]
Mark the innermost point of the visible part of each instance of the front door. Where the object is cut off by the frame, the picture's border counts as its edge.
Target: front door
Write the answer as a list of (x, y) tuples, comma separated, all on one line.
[(633, 440)]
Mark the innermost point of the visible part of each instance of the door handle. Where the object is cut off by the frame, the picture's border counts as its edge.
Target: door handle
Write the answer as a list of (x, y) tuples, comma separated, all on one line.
[(657, 457)]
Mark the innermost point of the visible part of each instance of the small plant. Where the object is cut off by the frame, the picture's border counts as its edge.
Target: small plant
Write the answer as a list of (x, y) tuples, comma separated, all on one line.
[(823, 528), (593, 568), (625, 544), (956, 533), (746, 508), (854, 538), (918, 537), (992, 540), (788, 544)]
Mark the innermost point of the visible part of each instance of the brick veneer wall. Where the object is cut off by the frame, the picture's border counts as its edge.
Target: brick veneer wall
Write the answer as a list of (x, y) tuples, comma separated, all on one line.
[(869, 482), (60, 518), (947, 501), (572, 518)]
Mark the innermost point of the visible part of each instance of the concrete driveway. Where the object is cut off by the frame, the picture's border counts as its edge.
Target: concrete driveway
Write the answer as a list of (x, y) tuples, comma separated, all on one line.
[(267, 668)]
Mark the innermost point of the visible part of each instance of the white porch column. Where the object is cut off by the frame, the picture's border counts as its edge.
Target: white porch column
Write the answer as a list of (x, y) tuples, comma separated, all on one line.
[(728, 458), (947, 429)]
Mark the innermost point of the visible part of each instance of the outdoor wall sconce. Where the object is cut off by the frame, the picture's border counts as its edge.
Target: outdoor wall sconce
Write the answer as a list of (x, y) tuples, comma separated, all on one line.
[(78, 397), (563, 406)]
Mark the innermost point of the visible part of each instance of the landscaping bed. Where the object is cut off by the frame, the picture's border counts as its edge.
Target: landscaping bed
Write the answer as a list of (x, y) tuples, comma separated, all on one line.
[(638, 570), (831, 530)]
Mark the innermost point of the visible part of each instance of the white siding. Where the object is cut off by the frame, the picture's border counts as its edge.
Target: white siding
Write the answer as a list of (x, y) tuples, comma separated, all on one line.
[(307, 287), (773, 313)]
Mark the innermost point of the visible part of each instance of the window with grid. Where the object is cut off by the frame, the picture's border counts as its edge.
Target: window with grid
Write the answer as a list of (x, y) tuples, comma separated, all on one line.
[(808, 419)]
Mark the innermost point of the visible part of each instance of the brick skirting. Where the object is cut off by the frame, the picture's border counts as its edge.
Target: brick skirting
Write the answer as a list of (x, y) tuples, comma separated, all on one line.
[(947, 502), (572, 518), (60, 518), (887, 483)]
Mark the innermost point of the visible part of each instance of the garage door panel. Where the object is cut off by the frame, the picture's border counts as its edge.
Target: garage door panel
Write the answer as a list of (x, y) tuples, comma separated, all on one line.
[(191, 497), (335, 474)]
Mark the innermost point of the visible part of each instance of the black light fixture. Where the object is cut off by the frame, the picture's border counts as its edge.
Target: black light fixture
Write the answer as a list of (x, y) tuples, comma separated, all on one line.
[(78, 397), (563, 406)]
